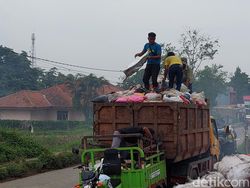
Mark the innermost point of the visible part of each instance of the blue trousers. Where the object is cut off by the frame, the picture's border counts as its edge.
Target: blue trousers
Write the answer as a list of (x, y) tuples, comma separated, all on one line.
[(175, 72)]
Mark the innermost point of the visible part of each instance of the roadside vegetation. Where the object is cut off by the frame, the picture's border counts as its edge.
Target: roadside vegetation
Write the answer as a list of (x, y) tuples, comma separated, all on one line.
[(23, 153)]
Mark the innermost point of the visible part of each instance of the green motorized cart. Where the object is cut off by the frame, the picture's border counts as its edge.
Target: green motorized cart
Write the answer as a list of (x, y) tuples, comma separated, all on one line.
[(122, 167)]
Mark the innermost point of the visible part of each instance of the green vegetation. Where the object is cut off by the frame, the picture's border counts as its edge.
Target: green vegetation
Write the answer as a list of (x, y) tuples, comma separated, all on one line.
[(42, 125), (13, 146), (55, 136), (58, 141), (211, 80), (46, 161), (23, 153)]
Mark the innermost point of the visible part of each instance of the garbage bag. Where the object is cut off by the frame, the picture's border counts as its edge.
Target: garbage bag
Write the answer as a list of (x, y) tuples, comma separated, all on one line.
[(236, 169), (153, 97), (136, 65), (198, 98), (132, 98), (167, 98), (101, 99)]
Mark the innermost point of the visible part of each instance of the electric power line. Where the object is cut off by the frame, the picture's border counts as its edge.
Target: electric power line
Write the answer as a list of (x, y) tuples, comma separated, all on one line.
[(77, 66), (65, 68)]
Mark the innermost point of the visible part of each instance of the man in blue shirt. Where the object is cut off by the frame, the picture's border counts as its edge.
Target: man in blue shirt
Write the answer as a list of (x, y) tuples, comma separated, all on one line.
[(153, 61)]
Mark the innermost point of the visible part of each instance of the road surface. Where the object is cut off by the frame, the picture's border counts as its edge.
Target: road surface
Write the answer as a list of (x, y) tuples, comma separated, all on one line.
[(64, 178)]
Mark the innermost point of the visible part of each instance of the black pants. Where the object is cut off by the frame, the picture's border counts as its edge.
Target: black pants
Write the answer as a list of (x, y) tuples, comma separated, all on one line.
[(175, 71), (152, 70)]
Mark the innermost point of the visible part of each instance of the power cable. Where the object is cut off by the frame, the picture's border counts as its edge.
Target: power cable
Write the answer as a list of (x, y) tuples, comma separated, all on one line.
[(77, 66)]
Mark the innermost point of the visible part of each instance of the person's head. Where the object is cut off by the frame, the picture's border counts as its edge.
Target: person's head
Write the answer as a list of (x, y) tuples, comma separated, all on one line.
[(170, 54), (151, 37), (184, 62)]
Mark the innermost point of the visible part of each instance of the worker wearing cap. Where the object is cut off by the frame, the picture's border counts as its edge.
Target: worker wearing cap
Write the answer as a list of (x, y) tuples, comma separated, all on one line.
[(153, 61), (188, 76), (173, 68)]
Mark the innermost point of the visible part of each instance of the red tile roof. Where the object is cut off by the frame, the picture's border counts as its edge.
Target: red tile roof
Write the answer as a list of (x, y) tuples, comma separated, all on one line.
[(24, 99), (59, 95), (55, 96)]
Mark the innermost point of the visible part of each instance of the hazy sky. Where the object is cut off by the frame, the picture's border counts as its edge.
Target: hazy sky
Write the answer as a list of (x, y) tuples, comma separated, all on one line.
[(107, 33)]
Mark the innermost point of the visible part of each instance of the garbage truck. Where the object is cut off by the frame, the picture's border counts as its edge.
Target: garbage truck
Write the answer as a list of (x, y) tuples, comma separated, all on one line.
[(185, 146)]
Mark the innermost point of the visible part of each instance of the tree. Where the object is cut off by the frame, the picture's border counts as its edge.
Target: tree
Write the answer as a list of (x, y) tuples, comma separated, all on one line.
[(196, 47), (84, 89), (52, 77), (16, 72), (239, 81), (211, 80)]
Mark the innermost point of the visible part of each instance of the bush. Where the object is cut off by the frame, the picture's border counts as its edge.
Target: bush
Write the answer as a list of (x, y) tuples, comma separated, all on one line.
[(61, 160), (46, 161), (34, 165), (14, 146), (3, 173), (16, 169), (41, 125)]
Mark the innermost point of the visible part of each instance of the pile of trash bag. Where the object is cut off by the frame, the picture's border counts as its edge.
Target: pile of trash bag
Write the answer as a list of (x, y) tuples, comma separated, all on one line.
[(232, 171), (138, 94)]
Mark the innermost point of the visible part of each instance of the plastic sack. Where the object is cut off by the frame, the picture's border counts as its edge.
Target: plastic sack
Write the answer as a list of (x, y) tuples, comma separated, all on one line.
[(112, 97), (184, 99), (122, 99), (136, 65), (184, 88), (153, 97), (132, 98), (101, 99), (198, 98), (172, 99), (172, 93)]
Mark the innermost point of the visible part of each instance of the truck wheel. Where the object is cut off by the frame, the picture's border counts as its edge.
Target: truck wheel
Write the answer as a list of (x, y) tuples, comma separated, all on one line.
[(194, 174)]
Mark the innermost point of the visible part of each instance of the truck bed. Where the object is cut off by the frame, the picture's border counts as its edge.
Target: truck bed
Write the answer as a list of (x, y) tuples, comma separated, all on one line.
[(183, 129)]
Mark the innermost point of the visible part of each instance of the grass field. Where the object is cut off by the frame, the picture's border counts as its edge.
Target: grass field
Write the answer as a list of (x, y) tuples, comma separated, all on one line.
[(59, 141)]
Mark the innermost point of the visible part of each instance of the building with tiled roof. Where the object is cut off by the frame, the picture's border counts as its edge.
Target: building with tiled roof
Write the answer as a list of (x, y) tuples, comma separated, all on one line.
[(53, 103)]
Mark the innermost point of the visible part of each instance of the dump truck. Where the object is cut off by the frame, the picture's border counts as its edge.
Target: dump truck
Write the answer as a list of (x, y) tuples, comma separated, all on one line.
[(187, 141)]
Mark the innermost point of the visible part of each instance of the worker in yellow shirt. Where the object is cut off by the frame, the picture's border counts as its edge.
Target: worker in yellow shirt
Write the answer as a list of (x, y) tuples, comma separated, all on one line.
[(173, 68)]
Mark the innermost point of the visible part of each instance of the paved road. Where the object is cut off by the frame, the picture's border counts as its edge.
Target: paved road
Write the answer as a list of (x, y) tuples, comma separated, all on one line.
[(64, 178)]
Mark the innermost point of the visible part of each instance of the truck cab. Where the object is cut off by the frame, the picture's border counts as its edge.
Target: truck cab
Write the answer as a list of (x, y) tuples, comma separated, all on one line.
[(214, 140)]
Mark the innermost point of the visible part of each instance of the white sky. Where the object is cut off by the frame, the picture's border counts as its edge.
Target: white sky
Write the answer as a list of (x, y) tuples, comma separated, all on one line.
[(107, 33)]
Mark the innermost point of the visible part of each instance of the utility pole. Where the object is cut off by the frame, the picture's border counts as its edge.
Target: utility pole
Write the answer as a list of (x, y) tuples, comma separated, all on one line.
[(33, 52)]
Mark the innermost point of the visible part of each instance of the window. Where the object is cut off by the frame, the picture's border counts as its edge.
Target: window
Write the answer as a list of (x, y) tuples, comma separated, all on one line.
[(62, 115)]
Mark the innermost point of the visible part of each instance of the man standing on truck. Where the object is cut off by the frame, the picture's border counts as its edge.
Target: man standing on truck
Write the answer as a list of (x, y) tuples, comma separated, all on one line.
[(122, 142), (173, 68), (187, 75), (153, 61)]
